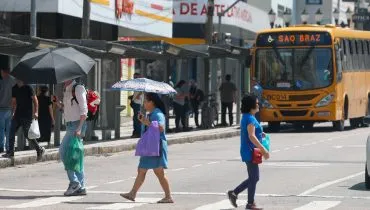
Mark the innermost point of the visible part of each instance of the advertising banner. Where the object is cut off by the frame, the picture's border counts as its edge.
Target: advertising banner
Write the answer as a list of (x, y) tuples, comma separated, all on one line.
[(241, 15), (148, 16)]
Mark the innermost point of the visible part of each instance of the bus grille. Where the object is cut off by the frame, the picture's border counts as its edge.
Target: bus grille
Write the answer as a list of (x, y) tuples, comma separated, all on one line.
[(302, 97), (297, 113)]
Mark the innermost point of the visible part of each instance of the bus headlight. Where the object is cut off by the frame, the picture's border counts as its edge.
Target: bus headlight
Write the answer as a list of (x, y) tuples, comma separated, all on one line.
[(266, 104), (326, 100)]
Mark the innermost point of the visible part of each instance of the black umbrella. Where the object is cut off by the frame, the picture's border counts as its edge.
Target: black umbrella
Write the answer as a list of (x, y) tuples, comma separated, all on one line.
[(52, 66)]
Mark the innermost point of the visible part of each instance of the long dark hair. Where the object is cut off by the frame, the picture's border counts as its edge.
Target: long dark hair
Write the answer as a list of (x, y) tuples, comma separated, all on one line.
[(157, 101)]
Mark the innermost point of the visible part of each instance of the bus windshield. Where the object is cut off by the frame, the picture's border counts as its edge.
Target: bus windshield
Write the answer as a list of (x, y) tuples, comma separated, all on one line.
[(294, 68)]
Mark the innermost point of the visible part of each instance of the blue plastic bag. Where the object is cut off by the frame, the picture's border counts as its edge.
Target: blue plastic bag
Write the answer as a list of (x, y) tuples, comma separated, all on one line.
[(266, 142)]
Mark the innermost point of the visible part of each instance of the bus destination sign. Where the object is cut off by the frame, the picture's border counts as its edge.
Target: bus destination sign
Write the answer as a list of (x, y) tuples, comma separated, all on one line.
[(279, 39)]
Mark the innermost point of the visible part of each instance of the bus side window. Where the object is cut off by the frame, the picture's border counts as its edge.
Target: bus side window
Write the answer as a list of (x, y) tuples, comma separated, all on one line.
[(338, 62), (361, 62), (354, 55), (367, 53), (343, 50), (349, 55), (365, 50)]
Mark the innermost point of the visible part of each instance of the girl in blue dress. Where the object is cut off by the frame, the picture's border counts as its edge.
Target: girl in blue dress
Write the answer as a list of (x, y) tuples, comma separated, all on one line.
[(154, 105)]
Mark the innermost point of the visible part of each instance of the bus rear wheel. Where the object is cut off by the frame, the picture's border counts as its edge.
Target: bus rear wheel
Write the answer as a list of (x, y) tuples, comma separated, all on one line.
[(274, 127), (355, 122)]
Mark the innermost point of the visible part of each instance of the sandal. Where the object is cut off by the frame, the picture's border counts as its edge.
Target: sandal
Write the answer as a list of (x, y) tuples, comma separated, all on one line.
[(166, 200), (127, 196)]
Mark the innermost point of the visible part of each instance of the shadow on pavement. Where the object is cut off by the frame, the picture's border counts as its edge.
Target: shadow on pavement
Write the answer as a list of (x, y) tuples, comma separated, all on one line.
[(290, 129), (107, 203), (30, 197), (359, 187)]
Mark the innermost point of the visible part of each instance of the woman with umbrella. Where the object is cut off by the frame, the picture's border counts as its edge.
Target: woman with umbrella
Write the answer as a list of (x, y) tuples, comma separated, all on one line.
[(154, 105)]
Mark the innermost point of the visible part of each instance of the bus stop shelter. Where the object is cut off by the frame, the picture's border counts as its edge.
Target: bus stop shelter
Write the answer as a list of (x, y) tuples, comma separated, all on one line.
[(18, 45)]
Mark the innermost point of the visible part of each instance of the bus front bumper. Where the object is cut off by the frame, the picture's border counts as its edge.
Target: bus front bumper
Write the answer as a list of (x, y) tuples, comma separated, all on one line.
[(311, 114)]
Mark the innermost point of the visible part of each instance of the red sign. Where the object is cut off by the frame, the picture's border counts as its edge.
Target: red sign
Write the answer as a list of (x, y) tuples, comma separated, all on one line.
[(124, 7)]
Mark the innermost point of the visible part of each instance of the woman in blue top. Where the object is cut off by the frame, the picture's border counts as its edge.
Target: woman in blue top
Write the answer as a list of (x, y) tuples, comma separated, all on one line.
[(251, 137), (154, 105)]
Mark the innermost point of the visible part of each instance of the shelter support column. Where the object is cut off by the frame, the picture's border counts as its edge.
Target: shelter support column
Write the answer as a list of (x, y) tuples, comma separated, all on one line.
[(239, 74), (58, 116)]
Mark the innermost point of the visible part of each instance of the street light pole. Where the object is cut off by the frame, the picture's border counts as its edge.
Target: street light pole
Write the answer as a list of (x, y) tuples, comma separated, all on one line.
[(304, 16), (287, 17), (336, 16), (220, 14), (318, 16), (272, 17)]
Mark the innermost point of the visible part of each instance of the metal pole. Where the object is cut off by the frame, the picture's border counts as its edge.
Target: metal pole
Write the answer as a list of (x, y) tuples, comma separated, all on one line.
[(219, 28), (208, 39), (239, 91), (85, 33), (220, 14), (58, 116), (33, 24)]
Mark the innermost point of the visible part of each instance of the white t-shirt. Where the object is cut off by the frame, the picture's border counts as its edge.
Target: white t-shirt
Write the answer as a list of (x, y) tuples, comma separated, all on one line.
[(72, 110)]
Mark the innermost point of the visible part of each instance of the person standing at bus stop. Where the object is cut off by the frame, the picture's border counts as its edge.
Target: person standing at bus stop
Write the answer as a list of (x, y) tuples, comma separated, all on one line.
[(228, 98), (136, 101), (6, 85)]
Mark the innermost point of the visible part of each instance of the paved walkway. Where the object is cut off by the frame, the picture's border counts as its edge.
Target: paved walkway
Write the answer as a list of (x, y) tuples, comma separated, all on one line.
[(124, 144)]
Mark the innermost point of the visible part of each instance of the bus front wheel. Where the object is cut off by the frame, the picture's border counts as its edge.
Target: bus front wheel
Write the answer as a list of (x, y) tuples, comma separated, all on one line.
[(274, 126), (338, 125)]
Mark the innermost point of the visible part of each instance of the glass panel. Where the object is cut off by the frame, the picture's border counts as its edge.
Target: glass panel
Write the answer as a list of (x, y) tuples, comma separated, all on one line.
[(294, 69)]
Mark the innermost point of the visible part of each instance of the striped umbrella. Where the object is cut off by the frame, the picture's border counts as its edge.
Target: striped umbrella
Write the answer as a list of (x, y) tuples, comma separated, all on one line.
[(144, 85)]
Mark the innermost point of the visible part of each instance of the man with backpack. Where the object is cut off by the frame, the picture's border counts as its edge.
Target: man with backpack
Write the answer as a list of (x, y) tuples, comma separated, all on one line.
[(196, 98), (75, 108)]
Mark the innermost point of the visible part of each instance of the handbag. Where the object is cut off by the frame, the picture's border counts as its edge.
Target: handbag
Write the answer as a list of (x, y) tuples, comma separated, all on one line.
[(34, 131), (150, 142), (257, 156)]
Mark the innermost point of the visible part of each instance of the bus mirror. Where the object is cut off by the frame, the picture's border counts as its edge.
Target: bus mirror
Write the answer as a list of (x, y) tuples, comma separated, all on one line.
[(339, 76)]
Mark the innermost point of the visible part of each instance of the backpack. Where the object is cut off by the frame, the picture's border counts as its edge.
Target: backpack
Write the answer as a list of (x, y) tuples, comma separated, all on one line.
[(200, 94), (92, 98)]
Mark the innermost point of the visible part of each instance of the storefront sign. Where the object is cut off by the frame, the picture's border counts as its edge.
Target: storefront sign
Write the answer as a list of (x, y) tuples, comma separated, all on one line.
[(147, 16), (360, 18), (294, 39), (241, 15)]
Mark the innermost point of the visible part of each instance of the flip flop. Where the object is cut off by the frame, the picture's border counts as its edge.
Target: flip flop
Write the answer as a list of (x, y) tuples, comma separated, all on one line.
[(166, 200), (127, 196)]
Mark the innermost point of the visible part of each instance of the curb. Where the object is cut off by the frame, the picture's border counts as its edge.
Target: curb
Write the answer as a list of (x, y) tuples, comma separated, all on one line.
[(100, 148)]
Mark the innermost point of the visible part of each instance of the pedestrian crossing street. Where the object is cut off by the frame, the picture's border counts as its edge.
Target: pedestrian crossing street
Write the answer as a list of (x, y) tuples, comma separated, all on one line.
[(61, 202)]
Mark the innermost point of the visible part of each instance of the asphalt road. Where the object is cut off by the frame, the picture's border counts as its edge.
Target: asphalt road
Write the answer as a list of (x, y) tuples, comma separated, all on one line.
[(320, 169)]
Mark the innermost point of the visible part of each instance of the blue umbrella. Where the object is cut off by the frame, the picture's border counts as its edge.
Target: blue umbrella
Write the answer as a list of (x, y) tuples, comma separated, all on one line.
[(144, 85)]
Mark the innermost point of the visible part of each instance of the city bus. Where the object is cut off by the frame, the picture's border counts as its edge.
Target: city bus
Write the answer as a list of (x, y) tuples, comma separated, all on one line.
[(312, 73)]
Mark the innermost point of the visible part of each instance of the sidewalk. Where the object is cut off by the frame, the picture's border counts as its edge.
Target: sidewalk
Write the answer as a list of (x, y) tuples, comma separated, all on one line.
[(114, 146)]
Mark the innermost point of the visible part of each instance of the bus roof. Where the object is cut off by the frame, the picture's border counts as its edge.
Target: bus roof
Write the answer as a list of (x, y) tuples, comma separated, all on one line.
[(334, 31)]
